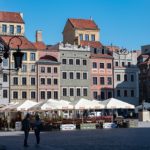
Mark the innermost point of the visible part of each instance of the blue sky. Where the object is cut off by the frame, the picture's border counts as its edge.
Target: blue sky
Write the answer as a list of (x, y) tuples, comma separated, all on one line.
[(125, 23)]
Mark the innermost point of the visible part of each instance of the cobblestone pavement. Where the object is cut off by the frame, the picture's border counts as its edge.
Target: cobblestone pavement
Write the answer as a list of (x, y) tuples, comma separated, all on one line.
[(100, 139)]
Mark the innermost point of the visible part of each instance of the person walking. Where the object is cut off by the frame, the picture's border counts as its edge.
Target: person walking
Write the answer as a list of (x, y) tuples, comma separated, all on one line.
[(26, 129), (37, 128)]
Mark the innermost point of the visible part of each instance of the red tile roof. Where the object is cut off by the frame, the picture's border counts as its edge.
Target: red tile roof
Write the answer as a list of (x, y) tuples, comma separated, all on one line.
[(15, 41), (11, 17), (83, 24), (40, 45), (94, 44), (101, 56)]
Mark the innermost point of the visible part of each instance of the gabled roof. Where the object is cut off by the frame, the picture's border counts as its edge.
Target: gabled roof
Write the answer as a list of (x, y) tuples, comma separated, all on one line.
[(12, 17), (83, 24), (26, 44), (40, 45), (94, 44)]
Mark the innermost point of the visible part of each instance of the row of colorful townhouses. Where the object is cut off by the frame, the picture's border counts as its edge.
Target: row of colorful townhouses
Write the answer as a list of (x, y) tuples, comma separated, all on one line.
[(78, 67)]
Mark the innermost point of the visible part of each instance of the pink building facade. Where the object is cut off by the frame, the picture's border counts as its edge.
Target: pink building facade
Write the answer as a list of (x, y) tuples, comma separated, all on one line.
[(101, 76)]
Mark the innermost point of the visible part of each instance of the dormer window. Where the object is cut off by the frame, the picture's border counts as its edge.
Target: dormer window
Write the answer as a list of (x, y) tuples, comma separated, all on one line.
[(86, 37), (92, 37), (4, 28), (11, 29), (18, 29)]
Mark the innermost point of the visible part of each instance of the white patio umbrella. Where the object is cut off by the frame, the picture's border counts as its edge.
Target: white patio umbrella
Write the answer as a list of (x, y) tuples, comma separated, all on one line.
[(114, 103), (97, 104), (65, 105), (82, 104), (9, 107), (26, 105)]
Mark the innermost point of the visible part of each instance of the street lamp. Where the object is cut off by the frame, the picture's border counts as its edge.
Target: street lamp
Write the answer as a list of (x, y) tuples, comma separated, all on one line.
[(18, 55)]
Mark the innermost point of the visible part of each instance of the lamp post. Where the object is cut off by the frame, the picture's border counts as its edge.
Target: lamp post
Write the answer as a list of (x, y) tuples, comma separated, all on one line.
[(18, 55)]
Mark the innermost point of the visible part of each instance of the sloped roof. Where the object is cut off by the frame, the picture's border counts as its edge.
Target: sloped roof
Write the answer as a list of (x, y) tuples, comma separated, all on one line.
[(13, 17), (83, 24), (94, 44), (40, 45), (26, 44)]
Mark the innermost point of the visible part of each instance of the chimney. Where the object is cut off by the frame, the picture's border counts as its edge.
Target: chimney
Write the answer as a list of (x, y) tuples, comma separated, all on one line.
[(38, 36), (21, 14)]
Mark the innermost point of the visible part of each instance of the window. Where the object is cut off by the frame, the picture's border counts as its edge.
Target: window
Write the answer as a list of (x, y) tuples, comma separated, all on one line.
[(77, 75), (109, 65), (64, 91), (94, 80), (118, 77), (94, 65), (118, 93), (32, 56), (132, 93), (92, 37), (4, 28), (24, 95), (55, 81), (109, 94), (18, 29), (24, 81), (55, 69), (42, 81), (125, 93), (70, 61), (15, 80), (132, 78), (48, 69), (95, 95), (5, 62), (42, 94), (84, 62), (24, 68), (32, 68), (85, 75), (5, 77), (71, 75), (78, 92), (77, 61), (102, 80), (71, 92), (101, 65), (84, 91), (55, 95), (24, 56), (116, 63), (32, 95), (42, 69), (102, 95), (11, 29), (64, 61), (129, 64), (32, 81), (86, 37), (15, 95), (48, 81), (125, 77), (123, 64), (81, 37), (5, 94), (109, 81), (49, 95), (64, 75)]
